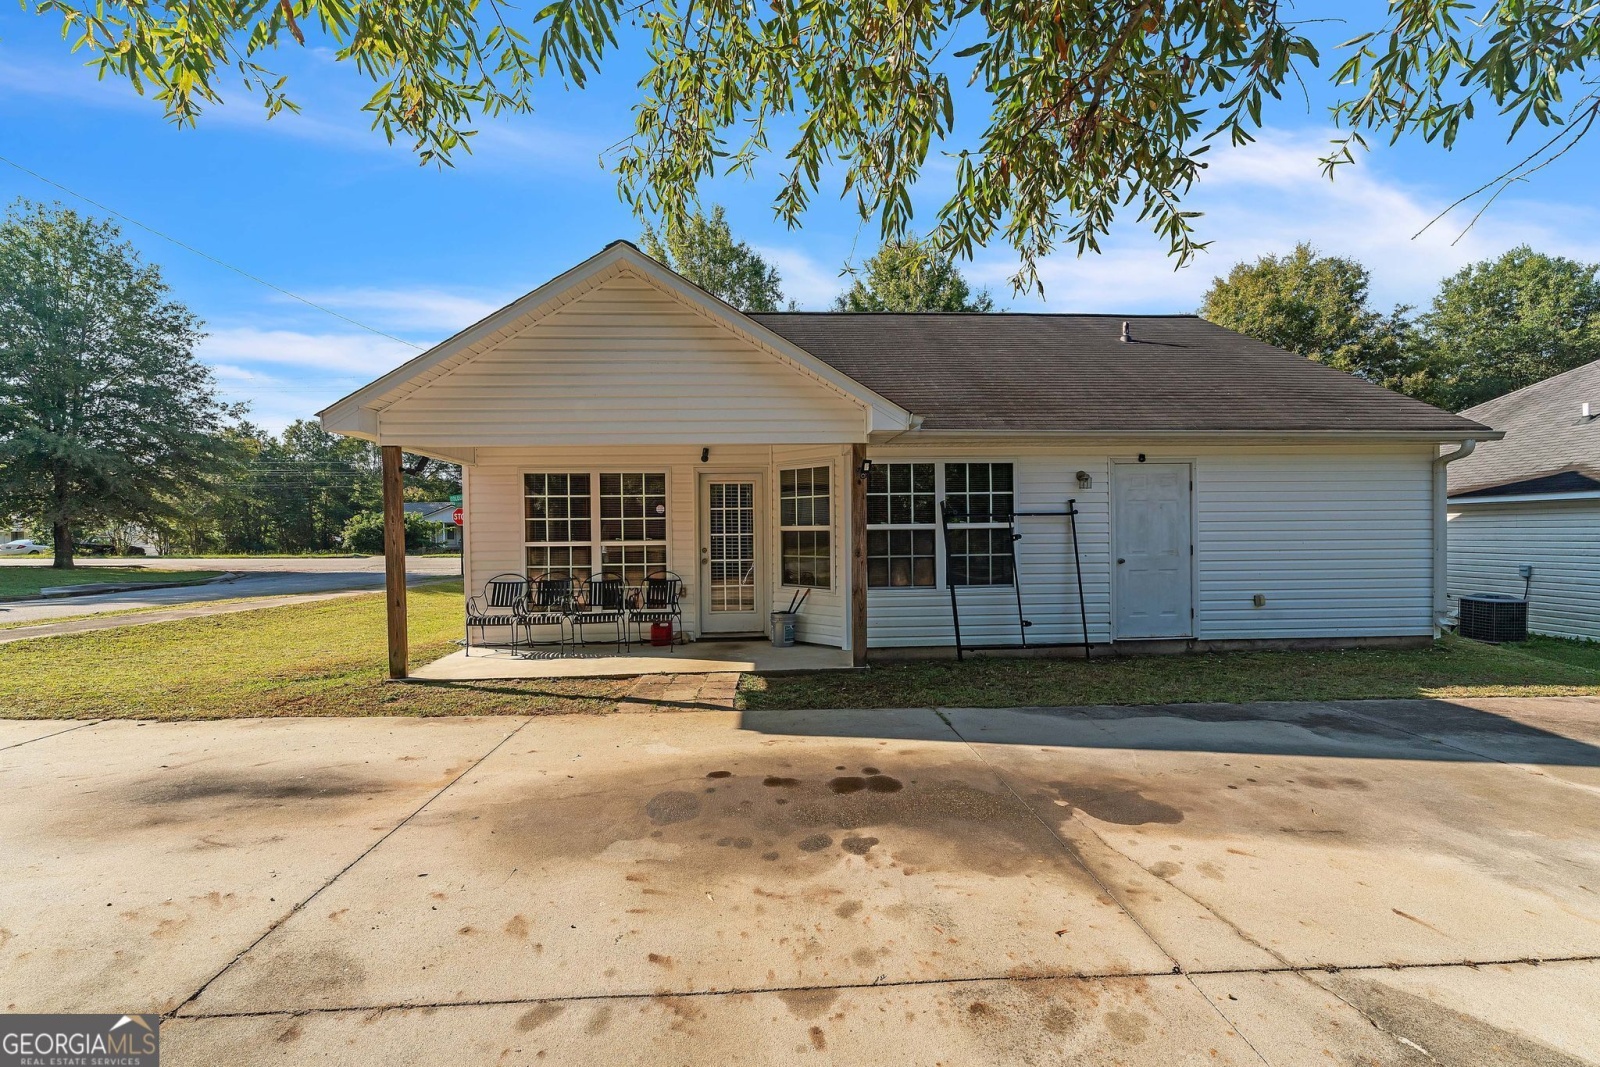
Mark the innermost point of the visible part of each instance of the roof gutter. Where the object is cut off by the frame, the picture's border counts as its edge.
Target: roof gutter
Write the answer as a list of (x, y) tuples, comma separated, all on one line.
[(1433, 436), (1525, 498), (1441, 533)]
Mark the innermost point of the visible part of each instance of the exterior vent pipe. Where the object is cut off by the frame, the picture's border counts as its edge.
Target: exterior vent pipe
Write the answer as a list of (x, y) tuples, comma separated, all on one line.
[(1441, 516), (1127, 336)]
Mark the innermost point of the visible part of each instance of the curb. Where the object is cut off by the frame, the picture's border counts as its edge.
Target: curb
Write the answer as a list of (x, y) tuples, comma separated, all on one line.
[(101, 588)]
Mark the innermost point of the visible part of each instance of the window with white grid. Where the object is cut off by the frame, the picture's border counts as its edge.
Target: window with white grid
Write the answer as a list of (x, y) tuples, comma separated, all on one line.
[(902, 522), (980, 498), (587, 523), (805, 527)]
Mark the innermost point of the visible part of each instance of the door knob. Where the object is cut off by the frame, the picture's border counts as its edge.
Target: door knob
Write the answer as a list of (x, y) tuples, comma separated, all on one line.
[(1121, 560)]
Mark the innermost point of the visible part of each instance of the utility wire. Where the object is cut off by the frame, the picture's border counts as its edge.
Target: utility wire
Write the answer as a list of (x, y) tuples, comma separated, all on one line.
[(207, 256)]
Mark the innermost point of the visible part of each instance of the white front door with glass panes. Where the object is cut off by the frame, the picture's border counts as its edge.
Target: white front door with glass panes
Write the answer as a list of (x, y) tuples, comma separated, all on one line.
[(732, 589), (903, 549), (595, 523)]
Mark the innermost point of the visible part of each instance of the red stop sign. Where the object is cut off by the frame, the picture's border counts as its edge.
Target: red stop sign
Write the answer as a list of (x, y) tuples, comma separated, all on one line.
[(457, 518)]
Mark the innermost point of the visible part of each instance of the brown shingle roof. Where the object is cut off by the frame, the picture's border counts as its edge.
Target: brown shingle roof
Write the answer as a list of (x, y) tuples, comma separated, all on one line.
[(1546, 434), (1072, 373)]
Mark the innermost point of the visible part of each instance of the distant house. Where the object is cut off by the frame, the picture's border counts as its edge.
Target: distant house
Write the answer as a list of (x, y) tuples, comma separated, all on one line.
[(1532, 501), (449, 534), (1229, 494)]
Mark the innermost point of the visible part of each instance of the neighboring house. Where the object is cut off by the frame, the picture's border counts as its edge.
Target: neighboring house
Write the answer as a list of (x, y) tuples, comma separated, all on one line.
[(1533, 501), (448, 535), (621, 419)]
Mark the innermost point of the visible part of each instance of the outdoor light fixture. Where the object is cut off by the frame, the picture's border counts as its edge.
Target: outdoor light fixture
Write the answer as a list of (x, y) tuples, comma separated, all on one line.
[(705, 455), (1084, 481), (864, 470)]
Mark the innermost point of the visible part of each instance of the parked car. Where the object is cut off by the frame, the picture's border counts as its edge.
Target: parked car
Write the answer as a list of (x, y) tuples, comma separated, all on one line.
[(24, 546)]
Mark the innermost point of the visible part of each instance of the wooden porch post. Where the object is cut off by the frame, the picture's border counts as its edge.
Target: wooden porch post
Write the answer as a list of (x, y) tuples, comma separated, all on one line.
[(858, 557), (394, 557)]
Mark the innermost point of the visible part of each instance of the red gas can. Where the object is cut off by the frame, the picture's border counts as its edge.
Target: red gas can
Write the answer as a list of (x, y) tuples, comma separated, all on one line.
[(661, 634)]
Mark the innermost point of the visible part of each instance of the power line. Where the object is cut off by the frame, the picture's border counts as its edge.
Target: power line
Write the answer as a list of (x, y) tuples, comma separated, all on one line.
[(207, 256)]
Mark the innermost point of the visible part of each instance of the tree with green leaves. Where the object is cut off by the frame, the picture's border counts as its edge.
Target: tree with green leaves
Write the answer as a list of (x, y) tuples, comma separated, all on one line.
[(1501, 324), (105, 414), (1317, 306), (911, 275), (1088, 109), (702, 249)]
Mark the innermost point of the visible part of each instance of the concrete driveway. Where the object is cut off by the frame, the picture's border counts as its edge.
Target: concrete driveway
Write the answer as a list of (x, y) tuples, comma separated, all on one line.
[(1395, 882)]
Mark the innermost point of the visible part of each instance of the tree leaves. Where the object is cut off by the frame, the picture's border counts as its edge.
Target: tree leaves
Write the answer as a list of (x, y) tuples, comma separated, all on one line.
[(703, 250), (105, 414), (1094, 108)]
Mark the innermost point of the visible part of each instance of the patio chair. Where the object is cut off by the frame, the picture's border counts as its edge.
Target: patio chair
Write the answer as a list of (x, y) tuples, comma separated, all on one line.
[(605, 599), (660, 600), (550, 603), (500, 604)]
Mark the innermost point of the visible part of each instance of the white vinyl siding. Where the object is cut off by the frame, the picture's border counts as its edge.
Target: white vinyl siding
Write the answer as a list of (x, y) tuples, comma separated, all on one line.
[(623, 363), (1560, 541), (1336, 538)]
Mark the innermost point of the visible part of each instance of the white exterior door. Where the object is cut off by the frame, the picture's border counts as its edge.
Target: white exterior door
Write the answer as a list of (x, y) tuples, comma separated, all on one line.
[(1153, 563), (732, 581)]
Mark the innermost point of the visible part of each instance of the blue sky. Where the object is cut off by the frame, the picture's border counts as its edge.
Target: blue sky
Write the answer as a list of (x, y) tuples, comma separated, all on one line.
[(320, 205)]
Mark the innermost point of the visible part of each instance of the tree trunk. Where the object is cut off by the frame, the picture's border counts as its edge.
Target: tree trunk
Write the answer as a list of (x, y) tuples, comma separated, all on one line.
[(61, 535)]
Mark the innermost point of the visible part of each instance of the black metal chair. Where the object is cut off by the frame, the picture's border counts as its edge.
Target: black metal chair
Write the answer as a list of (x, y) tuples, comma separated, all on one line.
[(660, 599), (500, 604), (605, 599), (550, 603)]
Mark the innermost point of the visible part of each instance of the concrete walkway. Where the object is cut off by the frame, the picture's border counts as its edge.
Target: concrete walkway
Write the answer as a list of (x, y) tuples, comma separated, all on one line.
[(1385, 882)]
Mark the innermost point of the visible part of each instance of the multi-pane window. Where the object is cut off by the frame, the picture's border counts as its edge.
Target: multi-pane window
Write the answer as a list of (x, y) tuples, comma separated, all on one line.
[(901, 523), (980, 498), (562, 533), (804, 520), (633, 525), (558, 523)]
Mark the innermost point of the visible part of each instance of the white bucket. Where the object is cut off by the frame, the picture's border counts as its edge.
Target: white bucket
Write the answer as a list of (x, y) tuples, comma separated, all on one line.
[(783, 628)]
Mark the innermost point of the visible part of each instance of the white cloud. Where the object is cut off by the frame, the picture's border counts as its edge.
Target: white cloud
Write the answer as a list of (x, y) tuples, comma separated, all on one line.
[(1267, 196), (285, 375), (805, 281), (436, 312), (240, 346)]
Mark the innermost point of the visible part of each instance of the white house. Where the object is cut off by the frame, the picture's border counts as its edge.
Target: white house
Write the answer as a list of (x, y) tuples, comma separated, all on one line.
[(442, 515), (1228, 493), (1525, 511)]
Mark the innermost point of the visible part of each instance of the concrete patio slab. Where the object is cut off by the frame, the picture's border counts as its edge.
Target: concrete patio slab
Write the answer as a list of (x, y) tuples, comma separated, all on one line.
[(697, 657), (1134, 1022), (143, 857), (688, 856)]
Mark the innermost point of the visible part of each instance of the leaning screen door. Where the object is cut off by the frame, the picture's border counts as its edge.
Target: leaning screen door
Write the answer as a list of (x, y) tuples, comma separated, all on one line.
[(1151, 529), (730, 555)]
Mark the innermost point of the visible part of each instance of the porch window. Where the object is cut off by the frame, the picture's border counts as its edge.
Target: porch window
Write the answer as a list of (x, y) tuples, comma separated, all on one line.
[(558, 519), (633, 525), (805, 522), (982, 495), (563, 533), (901, 525)]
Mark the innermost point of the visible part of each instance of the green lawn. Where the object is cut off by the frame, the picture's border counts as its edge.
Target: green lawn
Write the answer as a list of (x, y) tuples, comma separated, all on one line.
[(324, 658), (1454, 667), (28, 579), (327, 658)]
